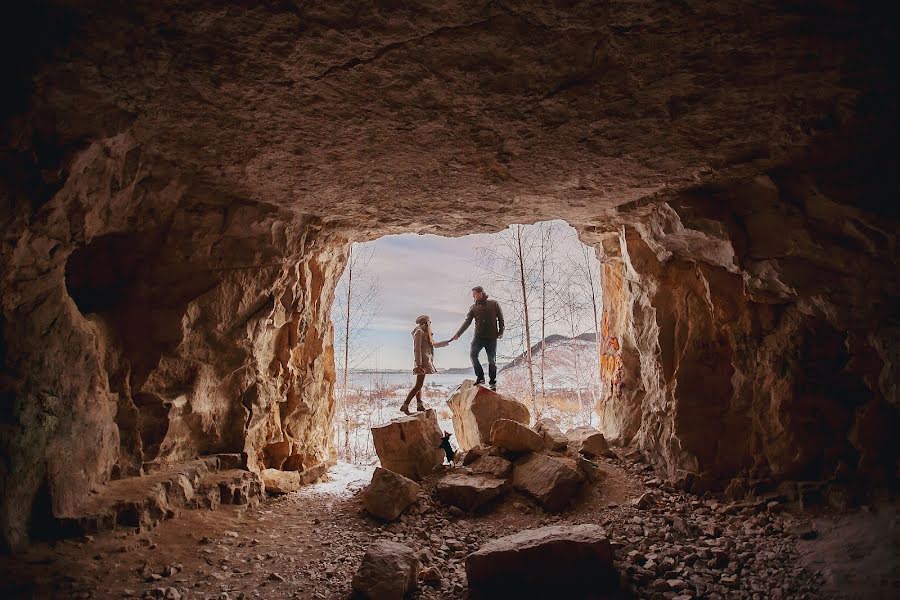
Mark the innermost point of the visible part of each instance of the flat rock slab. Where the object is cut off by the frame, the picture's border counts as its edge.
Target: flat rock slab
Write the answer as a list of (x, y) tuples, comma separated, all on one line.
[(389, 494), (495, 466), (145, 501), (515, 437), (469, 492), (475, 408), (388, 572), (558, 561), (548, 480), (285, 482), (410, 445)]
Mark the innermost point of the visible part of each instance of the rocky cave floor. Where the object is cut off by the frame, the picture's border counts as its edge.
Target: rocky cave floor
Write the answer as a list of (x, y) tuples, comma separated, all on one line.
[(302, 545)]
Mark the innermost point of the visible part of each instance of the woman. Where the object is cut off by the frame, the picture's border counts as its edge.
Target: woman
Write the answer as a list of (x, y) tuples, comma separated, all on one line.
[(423, 346)]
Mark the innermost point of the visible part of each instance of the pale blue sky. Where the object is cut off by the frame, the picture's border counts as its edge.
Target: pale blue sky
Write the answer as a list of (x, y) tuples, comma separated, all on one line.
[(427, 274)]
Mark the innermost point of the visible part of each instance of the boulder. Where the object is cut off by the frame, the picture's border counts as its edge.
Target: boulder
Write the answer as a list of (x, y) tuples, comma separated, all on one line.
[(475, 408), (554, 438), (388, 571), (550, 562), (410, 445), (495, 466), (469, 492), (389, 494), (549, 480), (284, 482), (589, 441), (515, 437), (473, 454), (588, 468)]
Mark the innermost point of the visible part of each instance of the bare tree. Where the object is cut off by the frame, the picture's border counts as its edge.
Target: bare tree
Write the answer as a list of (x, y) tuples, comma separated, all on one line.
[(357, 302), (510, 261), (589, 265), (548, 263), (520, 257)]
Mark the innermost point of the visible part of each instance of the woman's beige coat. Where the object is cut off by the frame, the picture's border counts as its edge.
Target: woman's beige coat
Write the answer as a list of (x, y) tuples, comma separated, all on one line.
[(424, 351)]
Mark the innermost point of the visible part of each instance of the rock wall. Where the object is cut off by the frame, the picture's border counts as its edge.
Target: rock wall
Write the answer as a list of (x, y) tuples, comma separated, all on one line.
[(178, 185), (755, 326), (145, 323)]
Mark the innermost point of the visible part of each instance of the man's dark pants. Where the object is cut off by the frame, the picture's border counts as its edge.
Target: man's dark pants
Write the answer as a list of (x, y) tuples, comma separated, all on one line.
[(490, 347)]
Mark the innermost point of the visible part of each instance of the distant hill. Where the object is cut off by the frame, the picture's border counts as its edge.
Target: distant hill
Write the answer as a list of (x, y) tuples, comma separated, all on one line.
[(569, 363), (550, 340)]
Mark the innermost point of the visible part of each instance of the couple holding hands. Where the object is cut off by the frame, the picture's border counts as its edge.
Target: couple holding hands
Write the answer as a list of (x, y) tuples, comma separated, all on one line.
[(488, 328)]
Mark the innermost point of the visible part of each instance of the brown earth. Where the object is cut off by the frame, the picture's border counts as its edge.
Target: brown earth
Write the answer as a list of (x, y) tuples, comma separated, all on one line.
[(309, 546)]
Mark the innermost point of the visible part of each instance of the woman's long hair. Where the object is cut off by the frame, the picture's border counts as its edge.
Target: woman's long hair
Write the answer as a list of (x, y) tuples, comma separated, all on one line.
[(425, 322)]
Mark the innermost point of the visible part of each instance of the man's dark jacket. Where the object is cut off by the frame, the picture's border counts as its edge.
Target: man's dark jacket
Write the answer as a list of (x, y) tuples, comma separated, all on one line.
[(488, 320)]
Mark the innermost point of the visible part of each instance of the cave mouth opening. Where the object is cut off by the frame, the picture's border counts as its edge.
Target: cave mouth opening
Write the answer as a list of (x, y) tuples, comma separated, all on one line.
[(547, 283)]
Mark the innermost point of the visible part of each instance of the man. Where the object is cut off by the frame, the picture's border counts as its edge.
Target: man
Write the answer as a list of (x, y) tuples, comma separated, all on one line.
[(488, 328)]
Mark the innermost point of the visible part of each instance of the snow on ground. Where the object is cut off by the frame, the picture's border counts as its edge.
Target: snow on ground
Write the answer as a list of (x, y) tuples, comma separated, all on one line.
[(342, 480)]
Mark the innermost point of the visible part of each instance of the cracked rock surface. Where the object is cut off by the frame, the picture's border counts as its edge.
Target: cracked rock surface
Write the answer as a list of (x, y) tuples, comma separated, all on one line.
[(180, 185)]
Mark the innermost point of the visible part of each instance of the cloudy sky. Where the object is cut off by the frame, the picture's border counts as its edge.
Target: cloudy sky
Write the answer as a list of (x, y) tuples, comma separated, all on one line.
[(425, 274)]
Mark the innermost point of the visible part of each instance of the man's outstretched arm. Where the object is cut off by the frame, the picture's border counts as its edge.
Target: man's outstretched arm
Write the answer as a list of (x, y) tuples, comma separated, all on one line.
[(465, 324)]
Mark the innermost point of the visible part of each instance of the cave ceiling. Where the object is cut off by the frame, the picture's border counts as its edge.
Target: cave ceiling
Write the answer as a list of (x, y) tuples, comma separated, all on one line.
[(417, 116)]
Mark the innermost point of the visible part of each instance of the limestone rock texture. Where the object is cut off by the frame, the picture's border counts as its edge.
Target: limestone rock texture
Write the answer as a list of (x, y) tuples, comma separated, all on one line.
[(562, 561), (476, 408), (469, 492), (589, 441), (409, 445), (512, 436), (389, 494), (389, 571), (551, 481), (180, 183)]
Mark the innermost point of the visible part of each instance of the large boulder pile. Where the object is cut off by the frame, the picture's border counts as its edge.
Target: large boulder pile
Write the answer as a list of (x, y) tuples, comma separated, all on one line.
[(543, 463), (549, 562), (475, 409), (410, 445)]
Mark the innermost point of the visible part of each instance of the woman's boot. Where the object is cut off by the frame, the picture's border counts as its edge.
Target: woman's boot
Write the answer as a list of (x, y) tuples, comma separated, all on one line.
[(405, 408), (420, 407)]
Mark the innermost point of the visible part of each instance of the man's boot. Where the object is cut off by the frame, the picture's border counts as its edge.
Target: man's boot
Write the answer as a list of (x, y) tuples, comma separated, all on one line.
[(494, 387)]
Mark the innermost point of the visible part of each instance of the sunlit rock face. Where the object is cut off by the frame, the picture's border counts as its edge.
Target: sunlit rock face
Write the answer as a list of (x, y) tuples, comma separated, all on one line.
[(758, 329), (180, 184)]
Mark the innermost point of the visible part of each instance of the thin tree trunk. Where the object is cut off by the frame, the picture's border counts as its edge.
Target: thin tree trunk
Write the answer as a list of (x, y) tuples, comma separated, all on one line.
[(590, 274), (346, 414), (527, 320), (543, 315)]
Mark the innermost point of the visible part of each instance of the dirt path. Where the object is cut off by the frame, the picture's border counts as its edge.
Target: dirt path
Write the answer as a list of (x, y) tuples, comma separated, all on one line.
[(309, 544)]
